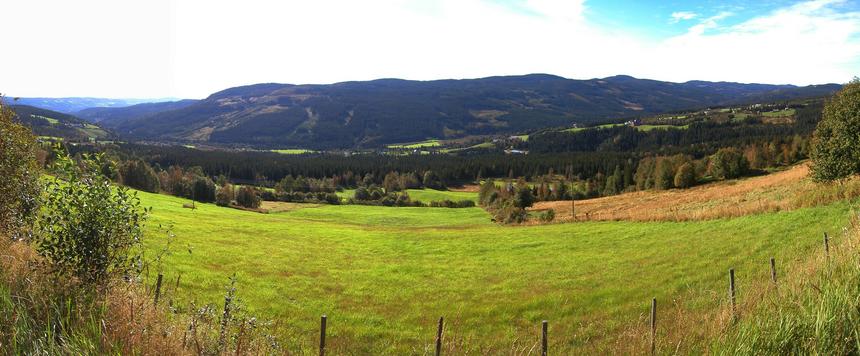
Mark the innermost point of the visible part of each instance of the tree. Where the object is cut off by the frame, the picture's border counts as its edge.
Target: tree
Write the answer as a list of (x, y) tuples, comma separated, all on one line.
[(835, 150), (19, 185), (391, 182), (685, 177), (432, 180), (204, 189), (361, 193), (247, 197), (139, 175), (225, 195), (524, 197), (729, 163), (485, 194), (664, 174)]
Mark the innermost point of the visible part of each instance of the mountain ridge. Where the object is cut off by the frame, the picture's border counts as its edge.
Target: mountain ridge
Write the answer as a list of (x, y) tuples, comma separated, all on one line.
[(359, 114)]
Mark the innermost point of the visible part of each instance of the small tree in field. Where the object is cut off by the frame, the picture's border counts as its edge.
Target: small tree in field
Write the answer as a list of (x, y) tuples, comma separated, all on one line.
[(685, 177), (225, 195), (247, 197), (836, 143), (88, 228)]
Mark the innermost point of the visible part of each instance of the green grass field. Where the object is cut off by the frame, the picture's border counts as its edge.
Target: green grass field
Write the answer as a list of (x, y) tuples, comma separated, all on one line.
[(422, 144), (779, 113), (384, 275), (293, 151), (640, 127), (425, 195)]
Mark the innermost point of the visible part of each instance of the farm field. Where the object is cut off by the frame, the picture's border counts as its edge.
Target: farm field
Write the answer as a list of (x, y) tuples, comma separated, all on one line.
[(384, 275), (293, 151), (422, 144), (426, 195), (640, 127)]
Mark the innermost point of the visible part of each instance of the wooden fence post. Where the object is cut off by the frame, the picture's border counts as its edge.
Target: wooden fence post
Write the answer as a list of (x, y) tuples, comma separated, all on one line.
[(158, 287), (653, 325), (826, 245), (439, 336), (773, 270), (322, 335), (732, 291), (544, 342)]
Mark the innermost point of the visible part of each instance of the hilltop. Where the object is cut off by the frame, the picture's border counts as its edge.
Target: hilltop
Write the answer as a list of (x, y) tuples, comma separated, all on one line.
[(386, 111), (52, 124)]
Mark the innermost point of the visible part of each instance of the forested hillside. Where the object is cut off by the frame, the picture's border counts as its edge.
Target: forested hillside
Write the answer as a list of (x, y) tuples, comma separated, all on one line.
[(374, 113)]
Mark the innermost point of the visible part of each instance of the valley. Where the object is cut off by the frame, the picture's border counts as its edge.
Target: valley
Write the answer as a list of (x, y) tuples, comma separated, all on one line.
[(384, 274)]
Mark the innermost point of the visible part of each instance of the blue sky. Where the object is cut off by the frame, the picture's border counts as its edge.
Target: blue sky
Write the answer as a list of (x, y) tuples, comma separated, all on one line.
[(191, 48)]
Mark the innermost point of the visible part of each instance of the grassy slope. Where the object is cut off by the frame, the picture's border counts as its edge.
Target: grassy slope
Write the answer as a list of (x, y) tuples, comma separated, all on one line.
[(384, 274)]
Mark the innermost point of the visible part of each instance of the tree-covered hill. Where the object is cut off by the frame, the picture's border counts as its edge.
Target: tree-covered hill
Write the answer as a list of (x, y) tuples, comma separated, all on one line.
[(374, 113), (50, 123)]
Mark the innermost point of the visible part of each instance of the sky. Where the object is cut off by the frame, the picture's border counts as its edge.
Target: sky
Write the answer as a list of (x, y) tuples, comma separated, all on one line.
[(192, 48)]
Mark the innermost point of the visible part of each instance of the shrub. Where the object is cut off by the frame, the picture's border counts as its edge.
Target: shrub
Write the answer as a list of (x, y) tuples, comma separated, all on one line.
[(547, 216), (19, 185), (88, 229)]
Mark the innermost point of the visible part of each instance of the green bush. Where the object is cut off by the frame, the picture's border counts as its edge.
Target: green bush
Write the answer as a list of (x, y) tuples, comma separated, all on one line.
[(88, 229), (547, 216), (19, 185)]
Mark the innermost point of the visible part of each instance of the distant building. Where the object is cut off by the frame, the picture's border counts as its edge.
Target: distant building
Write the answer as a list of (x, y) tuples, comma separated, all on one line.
[(633, 123)]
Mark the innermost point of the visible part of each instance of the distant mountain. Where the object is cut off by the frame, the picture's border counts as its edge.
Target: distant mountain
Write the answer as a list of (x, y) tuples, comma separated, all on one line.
[(373, 113), (49, 123), (112, 116), (72, 105)]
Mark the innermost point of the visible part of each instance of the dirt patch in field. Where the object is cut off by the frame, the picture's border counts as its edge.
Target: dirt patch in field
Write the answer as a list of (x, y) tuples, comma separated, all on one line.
[(468, 188), (785, 190)]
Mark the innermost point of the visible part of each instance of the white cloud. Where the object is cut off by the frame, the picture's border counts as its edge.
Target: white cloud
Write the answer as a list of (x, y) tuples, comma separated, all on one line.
[(191, 48), (803, 44), (679, 16)]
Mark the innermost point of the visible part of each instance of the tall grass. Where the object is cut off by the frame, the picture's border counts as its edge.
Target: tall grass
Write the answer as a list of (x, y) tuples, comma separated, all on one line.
[(816, 311), (41, 315)]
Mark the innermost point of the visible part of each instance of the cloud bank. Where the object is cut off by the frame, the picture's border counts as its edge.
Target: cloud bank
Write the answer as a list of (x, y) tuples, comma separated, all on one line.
[(191, 48)]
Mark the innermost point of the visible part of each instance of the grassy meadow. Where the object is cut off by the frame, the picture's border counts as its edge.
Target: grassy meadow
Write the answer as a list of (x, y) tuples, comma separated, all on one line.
[(384, 275), (425, 195)]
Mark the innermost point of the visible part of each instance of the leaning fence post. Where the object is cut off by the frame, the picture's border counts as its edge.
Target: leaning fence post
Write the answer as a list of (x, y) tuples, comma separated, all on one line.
[(773, 270), (826, 245), (544, 342), (653, 325), (322, 335), (158, 287), (439, 336), (732, 291)]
